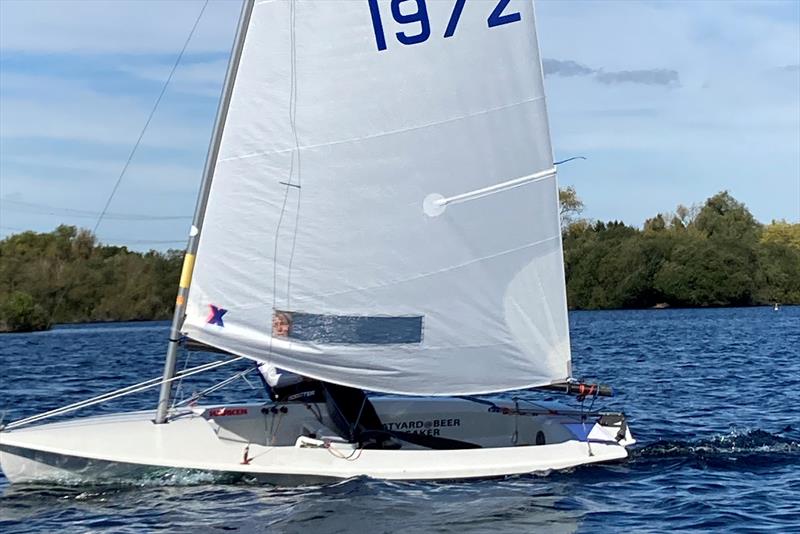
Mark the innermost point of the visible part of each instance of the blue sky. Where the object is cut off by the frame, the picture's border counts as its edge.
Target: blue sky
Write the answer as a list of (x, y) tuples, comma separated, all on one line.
[(669, 101)]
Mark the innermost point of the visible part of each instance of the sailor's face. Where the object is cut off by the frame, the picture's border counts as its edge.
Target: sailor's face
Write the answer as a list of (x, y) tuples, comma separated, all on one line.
[(280, 325)]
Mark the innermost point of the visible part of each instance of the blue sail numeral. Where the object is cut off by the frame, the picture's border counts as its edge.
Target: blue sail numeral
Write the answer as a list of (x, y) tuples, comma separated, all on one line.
[(498, 19), (451, 26), (420, 16), (377, 25)]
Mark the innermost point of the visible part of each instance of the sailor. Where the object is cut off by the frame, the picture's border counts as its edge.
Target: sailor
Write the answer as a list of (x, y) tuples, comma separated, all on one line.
[(349, 408), (284, 385)]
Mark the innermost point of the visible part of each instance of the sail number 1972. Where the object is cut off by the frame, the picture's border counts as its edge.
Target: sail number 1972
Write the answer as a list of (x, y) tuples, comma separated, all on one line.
[(415, 12)]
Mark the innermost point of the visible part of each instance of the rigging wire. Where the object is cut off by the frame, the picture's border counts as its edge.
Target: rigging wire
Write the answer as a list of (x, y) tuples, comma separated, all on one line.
[(197, 396), (178, 388), (111, 395), (44, 209), (150, 117), (105, 240), (102, 215)]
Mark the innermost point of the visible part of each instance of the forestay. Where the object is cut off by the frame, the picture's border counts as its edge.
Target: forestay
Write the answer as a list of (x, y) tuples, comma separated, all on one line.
[(384, 199)]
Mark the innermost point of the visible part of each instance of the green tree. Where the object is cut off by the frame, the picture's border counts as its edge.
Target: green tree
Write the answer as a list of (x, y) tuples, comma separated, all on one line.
[(781, 233), (19, 312), (702, 273), (724, 217), (570, 206), (779, 263), (716, 254), (72, 278)]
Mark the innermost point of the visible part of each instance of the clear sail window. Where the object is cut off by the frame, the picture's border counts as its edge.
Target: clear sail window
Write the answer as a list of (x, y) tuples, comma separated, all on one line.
[(347, 329)]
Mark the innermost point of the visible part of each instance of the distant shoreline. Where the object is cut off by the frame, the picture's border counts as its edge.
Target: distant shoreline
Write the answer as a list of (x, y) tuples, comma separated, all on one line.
[(166, 321), (711, 256), (84, 323)]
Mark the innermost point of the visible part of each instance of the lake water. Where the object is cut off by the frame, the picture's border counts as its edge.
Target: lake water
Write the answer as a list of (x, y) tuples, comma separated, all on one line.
[(712, 396)]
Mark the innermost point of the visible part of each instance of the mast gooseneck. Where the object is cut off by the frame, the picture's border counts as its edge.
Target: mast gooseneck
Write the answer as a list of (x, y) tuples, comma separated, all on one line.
[(199, 213)]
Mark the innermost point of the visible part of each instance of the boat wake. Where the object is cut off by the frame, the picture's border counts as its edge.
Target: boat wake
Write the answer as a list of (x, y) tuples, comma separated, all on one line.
[(151, 478), (757, 447)]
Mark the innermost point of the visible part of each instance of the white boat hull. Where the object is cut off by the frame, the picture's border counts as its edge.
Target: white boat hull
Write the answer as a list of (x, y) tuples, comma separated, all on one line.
[(242, 441)]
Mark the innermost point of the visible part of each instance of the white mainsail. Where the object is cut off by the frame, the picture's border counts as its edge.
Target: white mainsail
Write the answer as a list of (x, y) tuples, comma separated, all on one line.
[(385, 181)]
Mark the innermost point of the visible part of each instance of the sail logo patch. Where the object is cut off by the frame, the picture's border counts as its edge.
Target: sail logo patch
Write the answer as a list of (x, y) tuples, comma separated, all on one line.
[(224, 412), (430, 427), (215, 315)]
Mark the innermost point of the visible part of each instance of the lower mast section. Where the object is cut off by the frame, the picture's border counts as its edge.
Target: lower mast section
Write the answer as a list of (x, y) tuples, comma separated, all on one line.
[(175, 334)]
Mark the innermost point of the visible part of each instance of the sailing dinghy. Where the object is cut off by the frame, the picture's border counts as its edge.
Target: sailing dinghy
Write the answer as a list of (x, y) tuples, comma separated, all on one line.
[(380, 185)]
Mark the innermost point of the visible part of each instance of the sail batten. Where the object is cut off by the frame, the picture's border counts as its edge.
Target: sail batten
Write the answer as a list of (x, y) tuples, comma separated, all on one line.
[(326, 248)]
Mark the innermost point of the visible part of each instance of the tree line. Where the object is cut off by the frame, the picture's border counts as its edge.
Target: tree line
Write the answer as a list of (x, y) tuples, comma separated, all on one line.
[(715, 254), (66, 276)]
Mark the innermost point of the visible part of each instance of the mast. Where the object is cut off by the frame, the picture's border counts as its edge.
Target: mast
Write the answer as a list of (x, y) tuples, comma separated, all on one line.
[(199, 213)]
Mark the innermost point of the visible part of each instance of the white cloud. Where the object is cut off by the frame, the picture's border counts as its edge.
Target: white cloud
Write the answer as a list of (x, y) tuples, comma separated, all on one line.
[(69, 110)]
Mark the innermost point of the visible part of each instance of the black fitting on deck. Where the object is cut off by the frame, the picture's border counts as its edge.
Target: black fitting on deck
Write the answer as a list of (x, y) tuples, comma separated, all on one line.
[(581, 389)]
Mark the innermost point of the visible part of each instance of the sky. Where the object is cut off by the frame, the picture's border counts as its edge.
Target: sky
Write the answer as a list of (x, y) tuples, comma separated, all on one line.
[(668, 101)]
